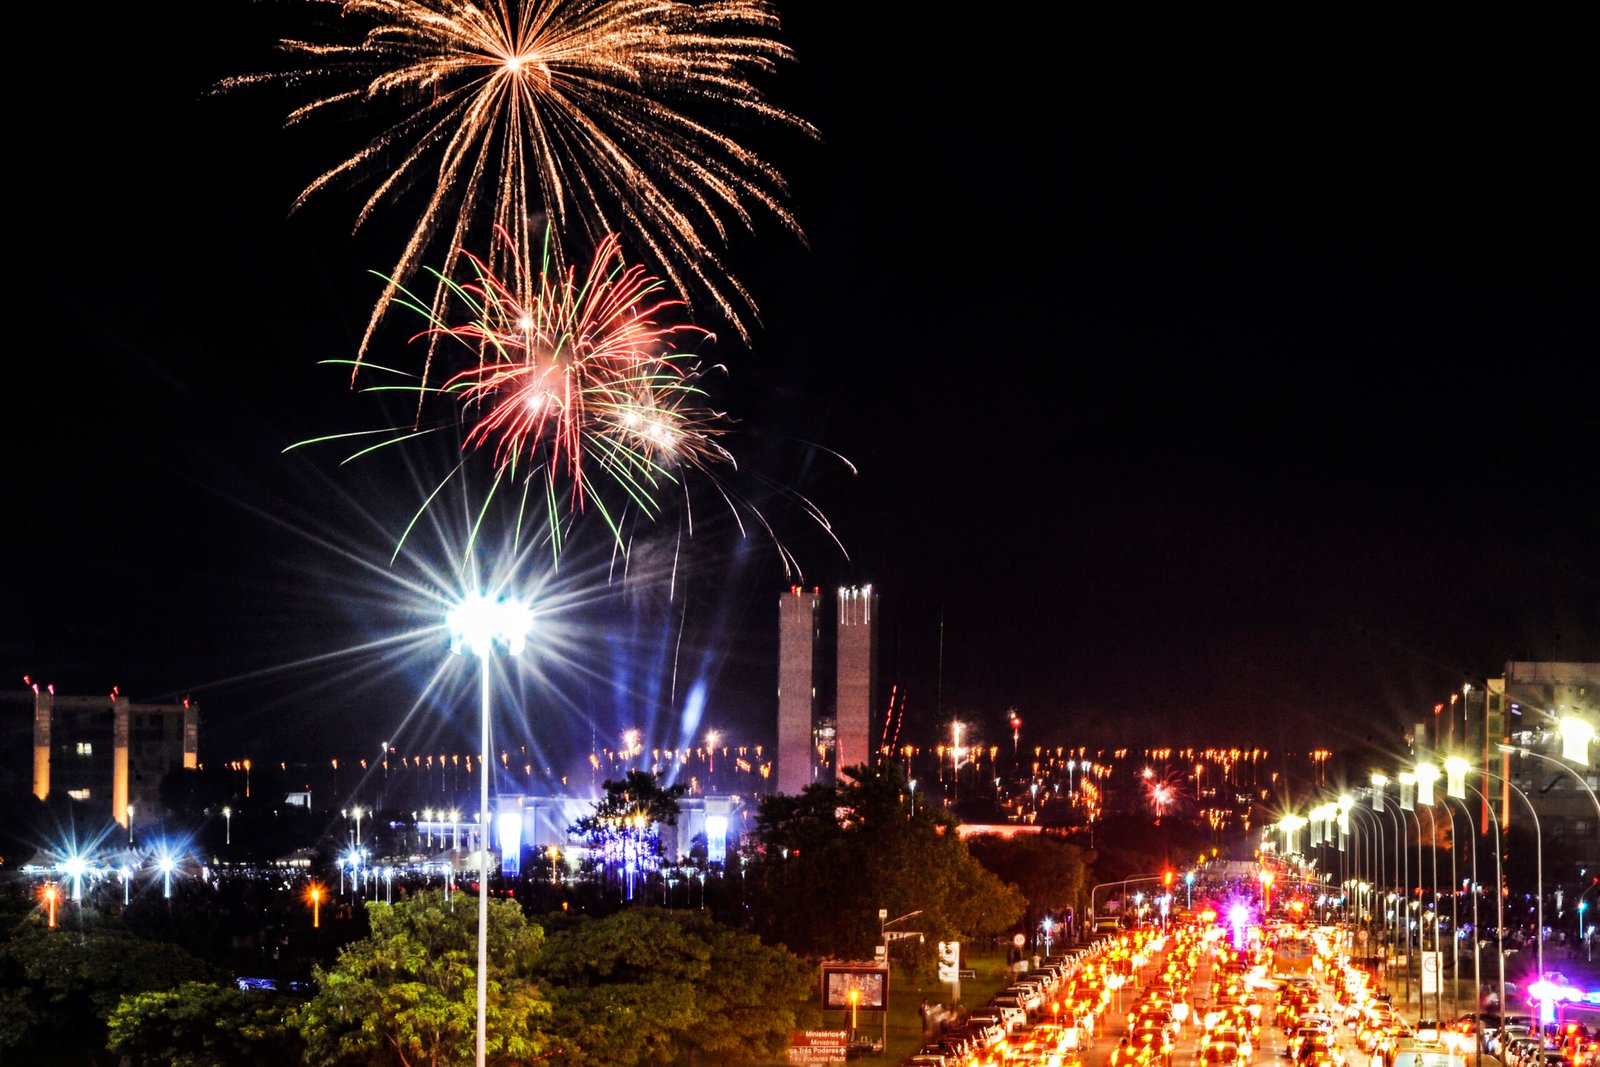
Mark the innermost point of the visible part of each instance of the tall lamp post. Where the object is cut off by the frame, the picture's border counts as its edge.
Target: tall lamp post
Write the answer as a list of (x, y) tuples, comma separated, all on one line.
[(1538, 852), (227, 822), (477, 624)]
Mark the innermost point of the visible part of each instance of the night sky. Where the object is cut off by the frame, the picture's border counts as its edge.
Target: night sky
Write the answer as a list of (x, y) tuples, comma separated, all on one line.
[(1215, 382)]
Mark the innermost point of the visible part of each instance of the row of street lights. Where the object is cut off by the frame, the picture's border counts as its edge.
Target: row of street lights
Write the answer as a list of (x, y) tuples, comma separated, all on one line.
[(1330, 824)]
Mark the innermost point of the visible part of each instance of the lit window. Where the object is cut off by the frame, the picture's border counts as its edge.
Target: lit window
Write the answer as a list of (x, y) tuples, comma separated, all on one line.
[(78, 794), (85, 748)]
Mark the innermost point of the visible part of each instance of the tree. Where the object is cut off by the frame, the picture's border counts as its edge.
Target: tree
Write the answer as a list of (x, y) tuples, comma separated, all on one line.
[(831, 858), (204, 1025), (407, 993), (622, 830), (1050, 872), (645, 986), (58, 987)]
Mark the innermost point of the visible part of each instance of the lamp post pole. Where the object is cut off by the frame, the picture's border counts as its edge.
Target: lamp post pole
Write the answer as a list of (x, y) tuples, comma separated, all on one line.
[(1477, 977), (1499, 907), (478, 623), (1538, 844)]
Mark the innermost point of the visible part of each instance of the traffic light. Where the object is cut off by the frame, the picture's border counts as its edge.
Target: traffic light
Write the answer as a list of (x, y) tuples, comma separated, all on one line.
[(1166, 879)]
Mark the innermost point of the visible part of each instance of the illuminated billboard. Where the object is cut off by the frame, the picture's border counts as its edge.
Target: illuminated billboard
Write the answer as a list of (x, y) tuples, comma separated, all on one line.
[(868, 982)]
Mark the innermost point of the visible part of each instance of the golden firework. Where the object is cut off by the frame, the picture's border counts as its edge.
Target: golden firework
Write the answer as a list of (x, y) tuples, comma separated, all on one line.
[(600, 115)]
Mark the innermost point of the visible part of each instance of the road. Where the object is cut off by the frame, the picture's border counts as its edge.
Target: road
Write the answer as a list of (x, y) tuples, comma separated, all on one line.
[(1273, 1049)]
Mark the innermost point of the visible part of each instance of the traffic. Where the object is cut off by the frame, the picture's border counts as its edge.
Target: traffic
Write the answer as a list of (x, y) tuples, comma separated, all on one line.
[(1205, 993)]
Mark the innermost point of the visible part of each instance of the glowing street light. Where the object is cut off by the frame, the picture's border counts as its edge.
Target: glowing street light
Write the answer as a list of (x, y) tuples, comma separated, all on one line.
[(74, 868), (712, 737), (477, 624), (130, 824), (165, 865), (227, 821), (356, 813), (50, 894), (315, 893)]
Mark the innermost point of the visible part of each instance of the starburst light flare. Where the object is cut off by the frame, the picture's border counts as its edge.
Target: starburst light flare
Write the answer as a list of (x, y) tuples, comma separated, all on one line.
[(603, 115)]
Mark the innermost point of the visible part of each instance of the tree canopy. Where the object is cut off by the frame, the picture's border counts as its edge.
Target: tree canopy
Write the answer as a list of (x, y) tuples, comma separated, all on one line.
[(200, 1024), (645, 985), (58, 986), (1050, 872), (833, 857), (407, 993)]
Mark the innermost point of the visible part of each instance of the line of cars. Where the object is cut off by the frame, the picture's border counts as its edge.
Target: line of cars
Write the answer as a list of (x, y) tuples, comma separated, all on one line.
[(1517, 1041), (1049, 1016), (1013, 1023)]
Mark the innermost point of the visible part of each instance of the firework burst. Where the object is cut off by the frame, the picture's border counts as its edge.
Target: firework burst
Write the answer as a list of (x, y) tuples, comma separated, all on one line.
[(581, 109), (1162, 793), (583, 394)]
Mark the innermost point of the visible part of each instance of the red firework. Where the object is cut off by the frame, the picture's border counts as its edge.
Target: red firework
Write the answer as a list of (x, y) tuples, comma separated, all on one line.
[(581, 368)]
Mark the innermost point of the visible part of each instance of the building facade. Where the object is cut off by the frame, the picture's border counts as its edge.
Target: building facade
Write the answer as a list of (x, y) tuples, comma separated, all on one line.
[(827, 685), (107, 749), (799, 643)]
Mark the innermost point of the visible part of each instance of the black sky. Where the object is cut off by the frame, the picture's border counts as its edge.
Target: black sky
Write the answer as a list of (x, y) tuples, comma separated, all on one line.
[(1212, 381)]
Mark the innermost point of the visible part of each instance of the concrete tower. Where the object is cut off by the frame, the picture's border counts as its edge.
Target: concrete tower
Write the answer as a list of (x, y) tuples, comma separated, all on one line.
[(44, 704), (797, 693), (858, 674)]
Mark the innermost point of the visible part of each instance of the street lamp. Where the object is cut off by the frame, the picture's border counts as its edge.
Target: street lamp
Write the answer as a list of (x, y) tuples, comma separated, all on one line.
[(130, 824), (1514, 750), (477, 624), (354, 813), (165, 865), (74, 868), (227, 821), (1538, 842)]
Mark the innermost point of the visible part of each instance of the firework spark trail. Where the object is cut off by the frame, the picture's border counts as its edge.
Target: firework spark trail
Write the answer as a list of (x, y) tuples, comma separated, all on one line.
[(586, 362), (582, 395), (584, 103)]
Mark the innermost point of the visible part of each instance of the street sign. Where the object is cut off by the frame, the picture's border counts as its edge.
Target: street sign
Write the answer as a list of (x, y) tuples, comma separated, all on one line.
[(1019, 940), (1430, 972), (949, 961)]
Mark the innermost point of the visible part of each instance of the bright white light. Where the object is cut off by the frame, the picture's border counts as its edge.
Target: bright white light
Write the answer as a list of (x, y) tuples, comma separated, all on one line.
[(716, 838), (1575, 737), (1427, 774), (511, 843), (480, 621)]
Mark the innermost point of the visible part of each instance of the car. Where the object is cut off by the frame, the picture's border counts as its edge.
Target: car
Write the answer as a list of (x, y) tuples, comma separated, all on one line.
[(1318, 1046), (1300, 1036), (1218, 1054), (1154, 1042), (1506, 1035), (1028, 996), (1012, 1013), (1432, 1054)]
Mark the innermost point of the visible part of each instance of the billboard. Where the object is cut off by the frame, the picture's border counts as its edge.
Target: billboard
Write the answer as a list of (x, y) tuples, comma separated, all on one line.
[(869, 982)]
